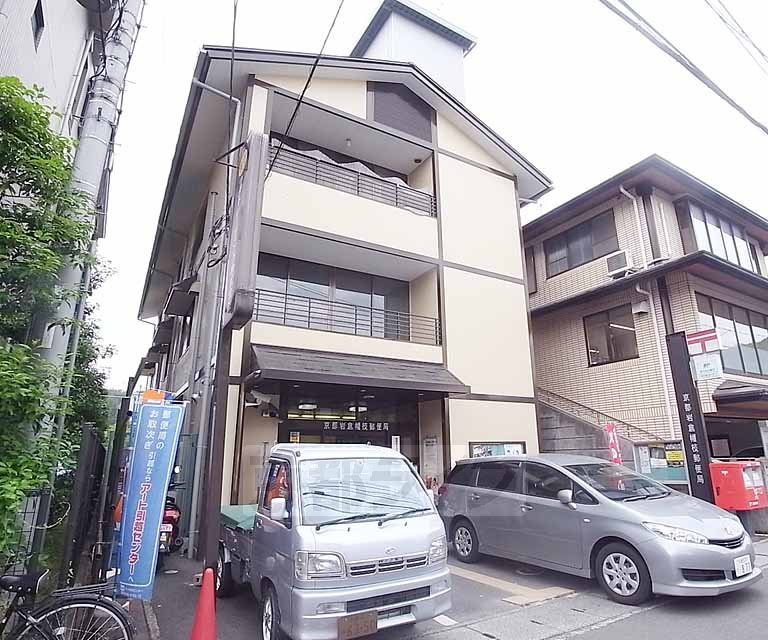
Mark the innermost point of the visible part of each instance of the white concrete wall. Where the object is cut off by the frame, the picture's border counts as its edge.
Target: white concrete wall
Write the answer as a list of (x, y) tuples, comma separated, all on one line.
[(487, 421), (479, 220), (345, 95), (56, 61), (431, 425), (453, 139), (299, 338), (317, 207), (423, 295), (259, 436)]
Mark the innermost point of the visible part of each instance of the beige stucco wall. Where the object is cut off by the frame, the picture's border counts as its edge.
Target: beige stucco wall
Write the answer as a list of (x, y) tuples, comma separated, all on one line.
[(346, 95), (422, 176), (479, 218), (308, 204), (258, 108), (299, 338), (423, 295), (233, 402), (453, 139), (259, 436), (486, 333), (631, 390), (431, 425), (488, 421)]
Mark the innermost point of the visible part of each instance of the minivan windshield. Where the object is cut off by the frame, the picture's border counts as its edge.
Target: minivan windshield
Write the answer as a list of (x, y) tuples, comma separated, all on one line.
[(366, 487), (617, 482)]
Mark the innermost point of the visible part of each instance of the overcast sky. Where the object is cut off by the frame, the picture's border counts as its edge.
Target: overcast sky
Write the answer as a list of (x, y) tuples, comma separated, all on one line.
[(566, 82)]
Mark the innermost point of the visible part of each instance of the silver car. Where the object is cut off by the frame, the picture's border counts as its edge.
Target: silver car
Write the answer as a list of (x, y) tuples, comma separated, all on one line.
[(596, 519)]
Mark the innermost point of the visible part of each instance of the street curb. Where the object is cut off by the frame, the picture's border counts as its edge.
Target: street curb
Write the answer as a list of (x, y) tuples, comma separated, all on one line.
[(151, 619)]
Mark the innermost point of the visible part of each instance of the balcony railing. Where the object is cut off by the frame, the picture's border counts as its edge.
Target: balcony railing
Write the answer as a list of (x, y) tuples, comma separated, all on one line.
[(298, 165), (338, 317)]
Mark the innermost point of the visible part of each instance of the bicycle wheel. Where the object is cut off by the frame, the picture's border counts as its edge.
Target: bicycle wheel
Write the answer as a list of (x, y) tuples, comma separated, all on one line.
[(77, 618)]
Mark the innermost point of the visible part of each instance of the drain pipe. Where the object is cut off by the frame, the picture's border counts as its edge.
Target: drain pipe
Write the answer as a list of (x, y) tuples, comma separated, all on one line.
[(640, 237), (660, 351)]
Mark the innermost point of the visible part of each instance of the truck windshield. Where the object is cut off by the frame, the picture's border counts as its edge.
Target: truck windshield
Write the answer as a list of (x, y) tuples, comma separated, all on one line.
[(341, 487), (617, 482)]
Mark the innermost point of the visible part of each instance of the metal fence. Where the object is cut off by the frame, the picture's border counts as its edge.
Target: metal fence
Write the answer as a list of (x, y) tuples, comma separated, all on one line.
[(338, 317), (27, 537), (341, 178)]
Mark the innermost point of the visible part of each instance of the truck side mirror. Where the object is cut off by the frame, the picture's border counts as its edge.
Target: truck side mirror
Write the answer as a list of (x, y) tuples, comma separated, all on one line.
[(278, 509)]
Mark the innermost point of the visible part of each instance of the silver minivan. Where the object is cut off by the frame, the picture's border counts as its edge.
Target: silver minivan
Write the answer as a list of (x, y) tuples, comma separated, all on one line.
[(593, 518), (345, 540)]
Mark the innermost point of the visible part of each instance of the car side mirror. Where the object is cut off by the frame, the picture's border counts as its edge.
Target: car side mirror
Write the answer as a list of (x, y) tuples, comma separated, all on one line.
[(566, 497), (278, 509)]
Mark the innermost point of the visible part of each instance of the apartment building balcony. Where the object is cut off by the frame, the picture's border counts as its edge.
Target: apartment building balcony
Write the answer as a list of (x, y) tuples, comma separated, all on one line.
[(329, 174)]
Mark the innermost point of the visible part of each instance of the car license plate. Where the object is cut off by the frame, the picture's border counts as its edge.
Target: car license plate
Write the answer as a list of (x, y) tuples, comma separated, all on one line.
[(742, 566), (166, 527), (360, 624)]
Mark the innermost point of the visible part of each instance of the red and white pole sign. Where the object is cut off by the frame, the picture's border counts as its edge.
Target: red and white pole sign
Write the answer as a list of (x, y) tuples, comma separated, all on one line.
[(704, 341), (613, 443)]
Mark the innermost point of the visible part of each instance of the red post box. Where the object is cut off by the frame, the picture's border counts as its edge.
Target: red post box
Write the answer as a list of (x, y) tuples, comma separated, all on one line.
[(738, 485)]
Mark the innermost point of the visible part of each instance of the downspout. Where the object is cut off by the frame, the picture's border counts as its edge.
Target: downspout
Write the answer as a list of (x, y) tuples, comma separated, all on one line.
[(660, 351), (665, 229), (640, 237), (213, 340), (652, 308), (73, 83)]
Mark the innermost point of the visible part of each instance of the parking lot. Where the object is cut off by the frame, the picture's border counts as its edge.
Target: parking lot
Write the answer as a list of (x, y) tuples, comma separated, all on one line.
[(495, 599)]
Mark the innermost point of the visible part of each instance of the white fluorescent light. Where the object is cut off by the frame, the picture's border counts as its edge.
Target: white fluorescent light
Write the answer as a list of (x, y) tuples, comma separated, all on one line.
[(621, 326)]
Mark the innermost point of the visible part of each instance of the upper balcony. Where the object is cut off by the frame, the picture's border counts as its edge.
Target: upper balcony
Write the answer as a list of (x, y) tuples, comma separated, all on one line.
[(356, 179)]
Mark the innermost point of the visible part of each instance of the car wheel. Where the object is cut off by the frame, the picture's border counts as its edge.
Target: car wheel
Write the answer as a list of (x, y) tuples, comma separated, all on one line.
[(224, 583), (623, 574), (270, 616), (465, 541)]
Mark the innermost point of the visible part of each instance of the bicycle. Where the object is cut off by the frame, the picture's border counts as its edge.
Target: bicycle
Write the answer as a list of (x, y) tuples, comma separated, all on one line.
[(68, 614)]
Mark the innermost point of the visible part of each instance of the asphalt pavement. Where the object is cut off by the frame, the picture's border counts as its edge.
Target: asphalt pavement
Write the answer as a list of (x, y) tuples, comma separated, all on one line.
[(497, 600)]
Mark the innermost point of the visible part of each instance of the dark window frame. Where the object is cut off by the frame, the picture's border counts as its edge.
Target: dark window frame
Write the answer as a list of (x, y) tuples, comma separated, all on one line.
[(530, 274), (38, 23), (749, 314), (607, 312), (562, 237)]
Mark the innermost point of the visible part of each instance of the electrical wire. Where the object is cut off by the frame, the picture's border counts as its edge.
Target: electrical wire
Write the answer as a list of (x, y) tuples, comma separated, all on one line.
[(733, 19), (741, 36), (304, 90), (642, 26)]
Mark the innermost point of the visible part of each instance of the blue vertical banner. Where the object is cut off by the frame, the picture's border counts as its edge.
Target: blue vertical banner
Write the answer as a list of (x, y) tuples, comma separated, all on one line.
[(156, 437)]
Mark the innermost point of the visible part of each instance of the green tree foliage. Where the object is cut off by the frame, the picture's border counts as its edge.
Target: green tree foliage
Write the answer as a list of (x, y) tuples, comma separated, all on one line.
[(38, 232), (43, 226)]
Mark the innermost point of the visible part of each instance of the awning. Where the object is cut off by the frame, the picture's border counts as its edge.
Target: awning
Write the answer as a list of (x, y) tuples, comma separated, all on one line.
[(283, 363), (742, 399), (181, 297), (163, 332)]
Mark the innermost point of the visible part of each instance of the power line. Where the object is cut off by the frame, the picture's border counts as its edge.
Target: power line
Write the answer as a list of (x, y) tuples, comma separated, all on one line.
[(304, 90), (742, 31), (739, 34), (642, 26)]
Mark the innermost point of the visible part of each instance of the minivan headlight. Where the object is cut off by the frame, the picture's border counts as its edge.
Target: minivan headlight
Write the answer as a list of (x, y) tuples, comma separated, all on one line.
[(675, 533), (310, 565), (438, 550)]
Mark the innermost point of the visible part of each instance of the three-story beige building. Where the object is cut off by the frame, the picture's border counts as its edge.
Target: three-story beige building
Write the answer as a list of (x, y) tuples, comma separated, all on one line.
[(390, 304)]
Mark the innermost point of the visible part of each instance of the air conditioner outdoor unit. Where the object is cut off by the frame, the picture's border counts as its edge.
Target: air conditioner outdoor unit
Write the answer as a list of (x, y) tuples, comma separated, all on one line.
[(619, 264)]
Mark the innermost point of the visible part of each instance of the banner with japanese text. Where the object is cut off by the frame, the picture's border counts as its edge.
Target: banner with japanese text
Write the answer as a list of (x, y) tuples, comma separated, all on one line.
[(158, 426)]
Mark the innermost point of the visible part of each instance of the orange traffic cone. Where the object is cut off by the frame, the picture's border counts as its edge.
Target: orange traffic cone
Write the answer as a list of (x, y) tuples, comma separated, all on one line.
[(204, 626)]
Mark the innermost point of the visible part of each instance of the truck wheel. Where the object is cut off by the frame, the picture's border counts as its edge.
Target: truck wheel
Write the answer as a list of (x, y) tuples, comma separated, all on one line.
[(465, 541), (224, 583), (270, 615), (623, 574)]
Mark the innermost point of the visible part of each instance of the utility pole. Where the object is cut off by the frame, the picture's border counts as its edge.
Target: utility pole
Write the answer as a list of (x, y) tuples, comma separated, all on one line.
[(100, 118)]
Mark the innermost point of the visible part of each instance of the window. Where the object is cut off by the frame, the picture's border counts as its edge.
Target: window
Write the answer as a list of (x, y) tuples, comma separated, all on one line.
[(278, 485), (395, 105), (581, 244), (501, 476), (186, 330), (743, 335), (704, 229), (541, 481), (530, 269), (38, 23), (462, 475), (611, 335)]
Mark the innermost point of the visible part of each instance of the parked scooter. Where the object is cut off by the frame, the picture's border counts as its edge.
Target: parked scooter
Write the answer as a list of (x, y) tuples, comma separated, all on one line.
[(170, 540)]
